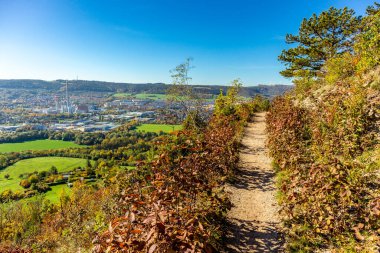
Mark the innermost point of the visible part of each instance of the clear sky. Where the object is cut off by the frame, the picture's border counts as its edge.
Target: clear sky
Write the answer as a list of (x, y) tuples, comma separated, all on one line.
[(141, 40)]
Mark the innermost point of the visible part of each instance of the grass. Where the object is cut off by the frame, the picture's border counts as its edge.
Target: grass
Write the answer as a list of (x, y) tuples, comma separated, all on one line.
[(150, 96), (141, 96), (56, 191), (156, 128), (63, 164), (36, 145)]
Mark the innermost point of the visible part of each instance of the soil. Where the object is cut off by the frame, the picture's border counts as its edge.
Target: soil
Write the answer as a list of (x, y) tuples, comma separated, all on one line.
[(254, 223)]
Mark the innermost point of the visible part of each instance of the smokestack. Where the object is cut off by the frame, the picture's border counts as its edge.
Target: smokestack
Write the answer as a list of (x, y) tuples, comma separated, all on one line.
[(67, 99)]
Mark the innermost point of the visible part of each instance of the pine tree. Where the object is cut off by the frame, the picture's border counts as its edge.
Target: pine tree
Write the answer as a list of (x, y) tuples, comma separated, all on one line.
[(320, 38)]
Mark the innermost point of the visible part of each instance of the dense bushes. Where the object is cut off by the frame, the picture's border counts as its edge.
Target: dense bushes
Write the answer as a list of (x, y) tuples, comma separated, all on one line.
[(328, 189), (324, 140), (31, 135), (175, 203), (37, 225)]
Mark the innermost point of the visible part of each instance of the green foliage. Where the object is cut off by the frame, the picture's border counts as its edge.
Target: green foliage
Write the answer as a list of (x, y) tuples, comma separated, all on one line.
[(320, 38), (53, 170), (157, 128), (42, 165), (259, 104), (141, 96), (33, 179), (25, 183), (227, 105), (36, 145), (184, 100), (40, 226), (368, 41), (340, 68)]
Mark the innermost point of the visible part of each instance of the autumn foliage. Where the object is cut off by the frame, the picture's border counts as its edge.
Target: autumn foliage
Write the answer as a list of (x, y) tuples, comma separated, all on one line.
[(172, 204), (176, 202), (324, 140)]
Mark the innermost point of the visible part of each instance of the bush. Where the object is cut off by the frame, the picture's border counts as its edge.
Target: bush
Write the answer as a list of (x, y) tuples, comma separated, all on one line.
[(25, 183), (40, 187), (329, 190), (33, 179), (175, 203)]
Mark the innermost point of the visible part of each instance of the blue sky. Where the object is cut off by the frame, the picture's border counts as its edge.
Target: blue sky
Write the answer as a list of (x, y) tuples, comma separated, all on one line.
[(141, 40)]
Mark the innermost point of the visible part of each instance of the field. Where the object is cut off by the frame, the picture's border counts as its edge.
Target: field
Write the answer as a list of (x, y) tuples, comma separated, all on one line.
[(150, 96), (141, 96), (56, 192), (35, 164), (156, 128), (36, 145)]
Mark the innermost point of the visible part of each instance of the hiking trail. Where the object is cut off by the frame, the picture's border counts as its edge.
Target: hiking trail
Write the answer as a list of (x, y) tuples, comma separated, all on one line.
[(254, 222)]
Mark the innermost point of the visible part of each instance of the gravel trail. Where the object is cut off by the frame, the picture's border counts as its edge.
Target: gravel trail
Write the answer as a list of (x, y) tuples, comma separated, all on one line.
[(253, 221)]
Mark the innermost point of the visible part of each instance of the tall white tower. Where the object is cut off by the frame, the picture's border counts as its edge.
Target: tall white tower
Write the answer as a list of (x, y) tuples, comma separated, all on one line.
[(67, 99)]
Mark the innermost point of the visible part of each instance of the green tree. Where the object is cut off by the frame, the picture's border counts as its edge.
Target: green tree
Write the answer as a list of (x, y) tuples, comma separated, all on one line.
[(226, 105), (53, 170), (320, 38), (88, 162), (368, 42), (187, 103), (25, 183), (33, 179)]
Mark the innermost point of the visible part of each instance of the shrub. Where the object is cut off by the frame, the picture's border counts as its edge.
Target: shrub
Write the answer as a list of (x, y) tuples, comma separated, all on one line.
[(33, 179), (175, 203), (329, 192), (25, 183)]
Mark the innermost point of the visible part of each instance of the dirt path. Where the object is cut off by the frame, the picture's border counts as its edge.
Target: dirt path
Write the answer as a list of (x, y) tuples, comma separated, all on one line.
[(253, 220)]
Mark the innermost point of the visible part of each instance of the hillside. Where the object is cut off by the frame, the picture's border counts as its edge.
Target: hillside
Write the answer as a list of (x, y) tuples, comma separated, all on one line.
[(151, 88), (324, 138)]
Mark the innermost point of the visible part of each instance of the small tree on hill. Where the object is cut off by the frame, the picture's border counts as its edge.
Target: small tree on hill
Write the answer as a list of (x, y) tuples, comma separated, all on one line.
[(226, 105), (187, 103), (53, 170)]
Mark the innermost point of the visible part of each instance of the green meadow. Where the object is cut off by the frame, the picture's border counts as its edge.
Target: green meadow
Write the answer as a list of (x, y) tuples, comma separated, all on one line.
[(63, 164), (36, 145), (150, 96), (141, 96), (156, 128), (56, 192)]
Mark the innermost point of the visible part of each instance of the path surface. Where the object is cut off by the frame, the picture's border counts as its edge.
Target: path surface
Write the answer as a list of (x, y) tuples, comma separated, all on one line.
[(253, 220)]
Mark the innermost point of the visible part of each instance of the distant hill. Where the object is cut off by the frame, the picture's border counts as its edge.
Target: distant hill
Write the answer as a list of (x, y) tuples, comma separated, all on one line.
[(153, 88)]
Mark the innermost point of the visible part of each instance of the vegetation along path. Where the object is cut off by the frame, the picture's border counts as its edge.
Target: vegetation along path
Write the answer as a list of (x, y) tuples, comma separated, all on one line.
[(254, 222)]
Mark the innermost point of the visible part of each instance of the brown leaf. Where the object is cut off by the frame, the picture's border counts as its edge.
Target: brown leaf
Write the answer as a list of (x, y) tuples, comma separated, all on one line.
[(200, 226), (151, 232), (162, 216), (132, 217), (359, 236), (152, 248), (161, 228), (136, 231)]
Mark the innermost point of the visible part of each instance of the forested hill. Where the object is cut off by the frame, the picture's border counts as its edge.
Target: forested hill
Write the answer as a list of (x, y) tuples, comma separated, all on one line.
[(159, 88)]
